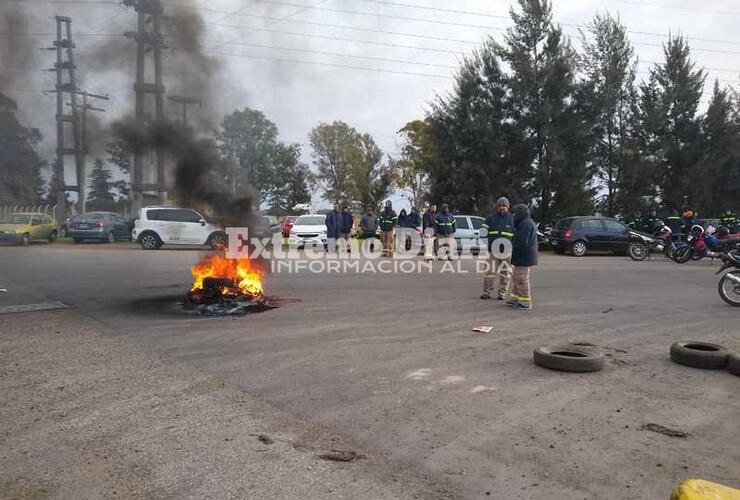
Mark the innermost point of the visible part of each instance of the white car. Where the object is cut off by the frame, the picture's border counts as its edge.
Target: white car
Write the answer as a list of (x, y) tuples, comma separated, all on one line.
[(467, 233), (157, 226), (308, 230)]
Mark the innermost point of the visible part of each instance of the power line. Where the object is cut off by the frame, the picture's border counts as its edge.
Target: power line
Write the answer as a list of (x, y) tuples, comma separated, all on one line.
[(679, 7), (338, 54), (435, 9)]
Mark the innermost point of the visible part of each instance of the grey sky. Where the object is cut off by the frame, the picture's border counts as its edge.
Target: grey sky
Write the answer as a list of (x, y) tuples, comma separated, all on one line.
[(347, 65)]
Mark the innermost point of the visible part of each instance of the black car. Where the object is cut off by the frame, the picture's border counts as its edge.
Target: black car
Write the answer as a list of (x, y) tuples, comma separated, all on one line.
[(579, 235), (99, 226)]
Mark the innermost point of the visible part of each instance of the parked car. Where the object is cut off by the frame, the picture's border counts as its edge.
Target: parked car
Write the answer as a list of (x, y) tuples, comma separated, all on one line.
[(24, 227), (157, 226), (287, 224), (579, 235), (467, 233), (99, 226), (308, 229)]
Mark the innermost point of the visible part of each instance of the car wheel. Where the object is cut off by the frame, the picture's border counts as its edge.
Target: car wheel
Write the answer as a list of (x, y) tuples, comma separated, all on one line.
[(25, 240), (218, 241), (150, 241), (569, 358), (52, 237), (63, 232), (637, 251), (699, 355), (579, 248), (111, 238)]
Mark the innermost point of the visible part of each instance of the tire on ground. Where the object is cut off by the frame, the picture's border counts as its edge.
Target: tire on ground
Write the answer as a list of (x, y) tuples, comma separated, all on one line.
[(569, 358), (699, 355), (733, 364)]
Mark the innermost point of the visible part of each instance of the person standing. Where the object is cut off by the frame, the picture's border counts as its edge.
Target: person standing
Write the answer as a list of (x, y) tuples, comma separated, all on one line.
[(444, 225), (368, 224), (347, 222), (388, 221), (500, 224), (333, 223), (429, 231), (523, 257)]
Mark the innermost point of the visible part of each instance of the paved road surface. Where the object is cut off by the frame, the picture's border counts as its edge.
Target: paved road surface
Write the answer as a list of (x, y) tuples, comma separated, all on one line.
[(388, 361)]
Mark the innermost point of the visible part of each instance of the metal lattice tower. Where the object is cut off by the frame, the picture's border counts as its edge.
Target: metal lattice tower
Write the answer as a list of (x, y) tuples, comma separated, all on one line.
[(149, 45)]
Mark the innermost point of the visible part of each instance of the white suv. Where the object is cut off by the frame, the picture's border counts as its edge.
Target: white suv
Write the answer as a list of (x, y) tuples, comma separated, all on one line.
[(157, 226)]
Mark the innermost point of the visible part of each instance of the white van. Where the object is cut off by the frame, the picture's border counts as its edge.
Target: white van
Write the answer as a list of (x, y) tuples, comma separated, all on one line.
[(157, 226)]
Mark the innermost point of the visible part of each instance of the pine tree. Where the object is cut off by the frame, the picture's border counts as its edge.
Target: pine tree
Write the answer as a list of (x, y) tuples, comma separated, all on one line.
[(550, 111), (100, 184), (21, 181), (609, 64), (679, 89)]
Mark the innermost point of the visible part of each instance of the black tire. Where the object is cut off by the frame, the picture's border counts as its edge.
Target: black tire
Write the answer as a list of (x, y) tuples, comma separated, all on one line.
[(218, 241), (53, 237), (699, 355), (683, 255), (25, 239), (77, 240), (63, 232), (149, 240), (724, 283), (733, 364), (569, 358), (110, 238), (638, 251), (579, 248)]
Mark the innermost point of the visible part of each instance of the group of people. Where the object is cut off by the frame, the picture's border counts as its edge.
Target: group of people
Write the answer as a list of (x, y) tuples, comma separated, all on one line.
[(680, 223), (438, 230)]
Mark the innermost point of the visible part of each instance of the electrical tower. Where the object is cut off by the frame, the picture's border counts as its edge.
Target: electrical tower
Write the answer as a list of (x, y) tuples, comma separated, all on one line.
[(149, 42), (81, 111), (63, 45)]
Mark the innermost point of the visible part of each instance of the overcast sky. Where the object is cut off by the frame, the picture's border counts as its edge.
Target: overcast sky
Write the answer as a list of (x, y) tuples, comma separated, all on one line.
[(375, 64)]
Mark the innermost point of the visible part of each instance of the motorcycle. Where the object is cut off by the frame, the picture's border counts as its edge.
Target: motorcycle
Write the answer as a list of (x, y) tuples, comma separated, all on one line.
[(701, 243), (645, 244), (729, 283)]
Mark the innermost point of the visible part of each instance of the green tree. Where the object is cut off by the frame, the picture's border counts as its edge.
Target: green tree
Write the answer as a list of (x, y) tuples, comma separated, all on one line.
[(609, 66), (21, 181), (417, 155), (680, 87), (247, 138), (720, 161), (350, 165), (292, 182), (550, 110), (100, 185)]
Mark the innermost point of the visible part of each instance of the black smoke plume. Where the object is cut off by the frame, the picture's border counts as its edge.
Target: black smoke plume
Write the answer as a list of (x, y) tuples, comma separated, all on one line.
[(199, 170)]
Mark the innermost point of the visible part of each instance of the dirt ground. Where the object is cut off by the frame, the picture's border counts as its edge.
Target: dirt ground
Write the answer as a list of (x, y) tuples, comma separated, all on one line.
[(384, 364)]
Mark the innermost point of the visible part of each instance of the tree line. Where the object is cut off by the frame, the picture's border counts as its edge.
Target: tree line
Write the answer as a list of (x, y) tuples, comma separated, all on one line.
[(566, 131)]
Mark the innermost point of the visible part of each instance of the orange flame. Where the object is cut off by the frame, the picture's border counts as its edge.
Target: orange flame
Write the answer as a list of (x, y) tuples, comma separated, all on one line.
[(246, 276)]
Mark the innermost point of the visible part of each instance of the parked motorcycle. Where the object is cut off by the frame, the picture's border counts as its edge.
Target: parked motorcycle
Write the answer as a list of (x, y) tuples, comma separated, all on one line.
[(701, 243), (645, 244), (729, 283)]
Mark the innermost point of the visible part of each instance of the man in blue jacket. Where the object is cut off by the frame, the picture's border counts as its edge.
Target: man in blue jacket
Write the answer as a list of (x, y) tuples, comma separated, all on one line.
[(345, 229), (333, 223), (500, 224), (428, 230), (445, 226), (523, 257)]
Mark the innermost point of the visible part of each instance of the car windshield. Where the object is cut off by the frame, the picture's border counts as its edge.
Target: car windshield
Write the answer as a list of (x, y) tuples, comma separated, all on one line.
[(15, 219), (310, 220)]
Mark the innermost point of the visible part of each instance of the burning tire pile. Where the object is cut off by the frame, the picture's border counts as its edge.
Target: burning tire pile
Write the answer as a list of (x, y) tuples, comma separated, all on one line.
[(226, 287)]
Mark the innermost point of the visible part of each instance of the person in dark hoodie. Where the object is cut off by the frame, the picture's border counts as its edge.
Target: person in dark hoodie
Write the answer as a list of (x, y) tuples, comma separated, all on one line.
[(523, 257), (429, 233), (388, 220), (346, 224), (333, 228), (500, 224)]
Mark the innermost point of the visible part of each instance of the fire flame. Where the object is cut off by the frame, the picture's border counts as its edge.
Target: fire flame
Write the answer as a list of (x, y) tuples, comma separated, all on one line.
[(247, 277)]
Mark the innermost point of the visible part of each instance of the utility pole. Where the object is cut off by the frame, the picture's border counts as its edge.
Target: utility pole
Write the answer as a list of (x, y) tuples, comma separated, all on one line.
[(63, 46), (85, 107), (185, 102), (148, 40)]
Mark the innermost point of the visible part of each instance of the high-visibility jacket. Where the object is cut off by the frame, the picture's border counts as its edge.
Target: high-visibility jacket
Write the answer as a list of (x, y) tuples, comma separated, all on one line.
[(445, 224), (388, 219), (499, 225), (728, 220)]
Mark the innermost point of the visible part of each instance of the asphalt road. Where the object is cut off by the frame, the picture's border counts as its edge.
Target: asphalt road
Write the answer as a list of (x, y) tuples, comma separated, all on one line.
[(389, 361)]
